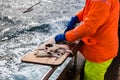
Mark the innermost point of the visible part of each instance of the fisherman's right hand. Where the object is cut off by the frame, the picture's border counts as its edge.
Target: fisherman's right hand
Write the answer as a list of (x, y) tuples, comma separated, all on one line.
[(60, 38), (71, 24)]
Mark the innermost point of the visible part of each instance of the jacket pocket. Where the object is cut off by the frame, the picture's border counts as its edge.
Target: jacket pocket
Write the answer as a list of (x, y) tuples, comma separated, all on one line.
[(89, 40)]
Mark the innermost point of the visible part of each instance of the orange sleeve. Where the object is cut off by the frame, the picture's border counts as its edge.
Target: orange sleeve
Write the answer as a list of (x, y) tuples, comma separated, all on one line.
[(80, 14), (97, 14), (119, 10)]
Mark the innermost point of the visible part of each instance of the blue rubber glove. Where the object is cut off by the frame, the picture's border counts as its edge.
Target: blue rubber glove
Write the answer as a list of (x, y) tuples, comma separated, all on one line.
[(60, 38), (71, 24)]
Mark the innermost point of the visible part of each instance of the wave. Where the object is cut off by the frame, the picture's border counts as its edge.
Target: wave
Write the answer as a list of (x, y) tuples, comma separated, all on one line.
[(46, 28), (9, 33), (42, 28)]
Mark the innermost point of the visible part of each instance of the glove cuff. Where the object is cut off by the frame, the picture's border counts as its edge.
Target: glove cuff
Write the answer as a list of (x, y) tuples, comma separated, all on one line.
[(64, 38), (76, 19)]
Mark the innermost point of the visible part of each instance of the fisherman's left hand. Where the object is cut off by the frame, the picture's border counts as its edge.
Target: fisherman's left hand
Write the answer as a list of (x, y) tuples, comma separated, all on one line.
[(60, 38)]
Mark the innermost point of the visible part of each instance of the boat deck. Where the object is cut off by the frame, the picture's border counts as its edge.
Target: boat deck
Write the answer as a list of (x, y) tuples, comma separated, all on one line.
[(118, 77)]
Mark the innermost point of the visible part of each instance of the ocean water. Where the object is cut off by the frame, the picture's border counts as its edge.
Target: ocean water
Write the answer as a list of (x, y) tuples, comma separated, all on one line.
[(22, 32)]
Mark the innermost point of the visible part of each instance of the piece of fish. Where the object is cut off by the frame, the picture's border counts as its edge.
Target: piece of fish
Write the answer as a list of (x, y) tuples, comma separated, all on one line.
[(52, 50), (41, 53)]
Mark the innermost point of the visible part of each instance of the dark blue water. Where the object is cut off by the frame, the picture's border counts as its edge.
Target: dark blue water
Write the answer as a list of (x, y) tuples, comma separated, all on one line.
[(22, 32)]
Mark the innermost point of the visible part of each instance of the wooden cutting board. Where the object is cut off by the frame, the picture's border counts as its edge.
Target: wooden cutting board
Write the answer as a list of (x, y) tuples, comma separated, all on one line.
[(31, 58)]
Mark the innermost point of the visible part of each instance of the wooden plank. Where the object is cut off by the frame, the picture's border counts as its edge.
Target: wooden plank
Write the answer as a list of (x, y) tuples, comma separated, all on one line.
[(31, 58)]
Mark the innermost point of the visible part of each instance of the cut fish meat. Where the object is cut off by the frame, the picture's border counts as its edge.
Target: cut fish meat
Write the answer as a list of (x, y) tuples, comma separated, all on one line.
[(52, 50)]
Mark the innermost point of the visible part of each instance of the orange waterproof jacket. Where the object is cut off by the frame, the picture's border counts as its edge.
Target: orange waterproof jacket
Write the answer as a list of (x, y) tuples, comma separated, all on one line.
[(119, 10), (98, 30)]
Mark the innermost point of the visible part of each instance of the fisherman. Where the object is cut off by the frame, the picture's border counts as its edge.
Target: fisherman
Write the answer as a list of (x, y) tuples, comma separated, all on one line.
[(98, 29)]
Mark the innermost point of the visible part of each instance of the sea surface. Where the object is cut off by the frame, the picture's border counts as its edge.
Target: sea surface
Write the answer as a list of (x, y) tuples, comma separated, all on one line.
[(22, 32)]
